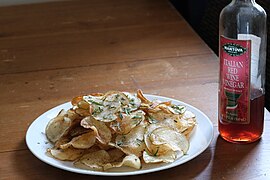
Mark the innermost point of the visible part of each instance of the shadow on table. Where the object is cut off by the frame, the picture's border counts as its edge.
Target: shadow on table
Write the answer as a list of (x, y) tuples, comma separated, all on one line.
[(27, 166), (229, 158)]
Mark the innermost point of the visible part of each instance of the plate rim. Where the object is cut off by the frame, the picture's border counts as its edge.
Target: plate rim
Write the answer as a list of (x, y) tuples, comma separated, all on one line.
[(128, 173)]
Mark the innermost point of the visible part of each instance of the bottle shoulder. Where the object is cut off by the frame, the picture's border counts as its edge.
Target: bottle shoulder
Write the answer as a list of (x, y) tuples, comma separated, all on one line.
[(243, 9), (260, 9)]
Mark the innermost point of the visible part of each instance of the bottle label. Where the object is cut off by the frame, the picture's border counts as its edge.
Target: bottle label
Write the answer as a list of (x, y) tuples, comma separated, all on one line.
[(234, 97)]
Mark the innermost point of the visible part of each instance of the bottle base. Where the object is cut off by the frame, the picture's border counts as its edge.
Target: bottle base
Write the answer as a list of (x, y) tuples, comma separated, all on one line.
[(242, 140)]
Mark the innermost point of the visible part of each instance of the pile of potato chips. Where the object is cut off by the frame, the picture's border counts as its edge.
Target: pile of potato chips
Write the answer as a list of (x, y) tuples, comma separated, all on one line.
[(115, 129)]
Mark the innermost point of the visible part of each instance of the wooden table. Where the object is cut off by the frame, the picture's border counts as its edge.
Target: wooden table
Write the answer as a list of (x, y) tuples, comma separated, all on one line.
[(53, 51)]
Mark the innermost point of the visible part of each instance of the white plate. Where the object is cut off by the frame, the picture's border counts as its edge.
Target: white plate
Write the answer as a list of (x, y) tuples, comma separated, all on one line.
[(38, 143)]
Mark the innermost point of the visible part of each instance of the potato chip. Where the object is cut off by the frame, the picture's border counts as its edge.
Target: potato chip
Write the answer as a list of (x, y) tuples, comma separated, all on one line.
[(82, 112), (134, 101), (68, 154), (153, 149), (115, 154), (94, 160), (97, 159), (127, 122), (78, 130), (58, 126), (102, 132), (160, 115), (142, 97), (169, 157), (104, 108), (129, 161), (189, 121), (116, 96), (171, 138), (62, 140), (133, 142), (83, 141)]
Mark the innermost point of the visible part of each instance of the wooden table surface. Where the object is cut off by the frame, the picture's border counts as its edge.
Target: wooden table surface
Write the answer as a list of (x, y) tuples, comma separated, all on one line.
[(53, 51)]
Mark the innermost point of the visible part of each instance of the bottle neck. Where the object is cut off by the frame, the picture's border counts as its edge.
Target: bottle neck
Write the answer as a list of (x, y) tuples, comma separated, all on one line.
[(244, 1)]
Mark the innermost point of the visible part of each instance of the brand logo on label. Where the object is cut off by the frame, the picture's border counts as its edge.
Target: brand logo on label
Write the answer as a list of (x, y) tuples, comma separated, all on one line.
[(234, 49)]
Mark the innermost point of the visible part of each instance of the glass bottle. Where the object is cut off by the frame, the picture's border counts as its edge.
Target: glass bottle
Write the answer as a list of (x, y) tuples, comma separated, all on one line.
[(242, 53)]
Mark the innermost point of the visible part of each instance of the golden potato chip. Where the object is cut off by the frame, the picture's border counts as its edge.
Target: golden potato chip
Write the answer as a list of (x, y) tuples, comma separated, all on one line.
[(153, 149), (134, 101), (69, 154), (127, 122), (142, 97), (104, 108), (57, 126), (94, 160), (115, 154), (169, 137), (169, 157), (116, 96), (76, 100), (94, 100), (102, 132), (160, 115), (79, 130), (83, 141), (62, 140), (82, 112), (188, 120), (133, 142), (129, 161)]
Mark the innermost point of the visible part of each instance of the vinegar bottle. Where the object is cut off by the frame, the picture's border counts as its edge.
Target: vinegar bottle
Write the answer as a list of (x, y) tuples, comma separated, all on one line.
[(242, 53)]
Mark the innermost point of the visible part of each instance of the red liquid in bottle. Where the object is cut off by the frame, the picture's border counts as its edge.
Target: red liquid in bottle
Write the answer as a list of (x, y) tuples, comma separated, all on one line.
[(245, 133)]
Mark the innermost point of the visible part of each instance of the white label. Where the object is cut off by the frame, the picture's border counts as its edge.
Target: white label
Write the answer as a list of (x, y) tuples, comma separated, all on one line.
[(255, 54)]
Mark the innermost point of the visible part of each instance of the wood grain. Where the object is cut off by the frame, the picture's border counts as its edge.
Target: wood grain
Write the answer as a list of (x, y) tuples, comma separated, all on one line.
[(53, 51), (221, 160), (174, 77), (92, 48), (60, 32)]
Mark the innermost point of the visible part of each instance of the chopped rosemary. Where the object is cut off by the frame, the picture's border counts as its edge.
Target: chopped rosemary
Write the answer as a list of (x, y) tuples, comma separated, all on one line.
[(155, 154), (94, 102), (127, 110), (119, 143), (120, 115), (97, 110), (136, 117), (179, 109), (152, 120), (139, 141)]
